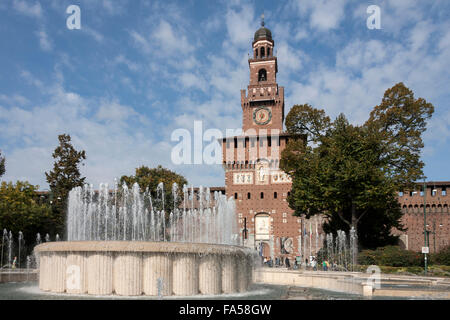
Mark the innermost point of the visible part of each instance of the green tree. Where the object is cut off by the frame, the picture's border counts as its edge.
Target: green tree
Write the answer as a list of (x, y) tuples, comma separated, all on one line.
[(149, 179), (64, 177), (2, 164), (351, 173), (20, 211)]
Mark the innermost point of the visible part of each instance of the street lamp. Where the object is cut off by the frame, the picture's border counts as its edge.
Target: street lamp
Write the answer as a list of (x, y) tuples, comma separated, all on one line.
[(425, 220)]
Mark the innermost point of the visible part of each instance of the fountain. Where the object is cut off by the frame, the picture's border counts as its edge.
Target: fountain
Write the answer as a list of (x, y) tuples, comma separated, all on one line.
[(341, 251), (124, 242)]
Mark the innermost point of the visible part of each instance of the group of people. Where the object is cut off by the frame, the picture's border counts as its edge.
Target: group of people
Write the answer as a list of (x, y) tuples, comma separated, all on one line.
[(285, 262), (279, 262)]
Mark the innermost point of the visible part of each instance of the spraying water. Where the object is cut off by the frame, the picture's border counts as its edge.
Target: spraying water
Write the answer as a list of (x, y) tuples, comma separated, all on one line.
[(10, 245), (21, 242), (4, 240), (124, 214), (342, 251)]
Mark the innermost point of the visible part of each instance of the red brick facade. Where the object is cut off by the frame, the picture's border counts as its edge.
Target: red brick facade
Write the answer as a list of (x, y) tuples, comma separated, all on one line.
[(251, 163), (437, 217)]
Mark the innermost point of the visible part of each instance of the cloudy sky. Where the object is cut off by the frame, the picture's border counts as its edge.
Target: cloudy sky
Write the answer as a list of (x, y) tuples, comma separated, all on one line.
[(139, 69)]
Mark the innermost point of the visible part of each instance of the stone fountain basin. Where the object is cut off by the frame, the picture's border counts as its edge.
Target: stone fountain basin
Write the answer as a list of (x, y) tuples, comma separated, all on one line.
[(143, 268)]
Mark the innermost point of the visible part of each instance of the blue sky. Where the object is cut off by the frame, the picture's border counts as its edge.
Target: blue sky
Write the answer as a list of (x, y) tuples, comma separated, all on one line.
[(138, 70)]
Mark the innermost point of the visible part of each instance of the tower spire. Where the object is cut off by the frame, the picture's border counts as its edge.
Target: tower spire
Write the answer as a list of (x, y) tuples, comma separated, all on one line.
[(262, 20)]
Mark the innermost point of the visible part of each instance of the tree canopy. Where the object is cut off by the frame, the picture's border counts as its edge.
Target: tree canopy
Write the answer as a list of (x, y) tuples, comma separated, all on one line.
[(65, 175), (2, 164), (20, 210), (352, 173), (149, 178)]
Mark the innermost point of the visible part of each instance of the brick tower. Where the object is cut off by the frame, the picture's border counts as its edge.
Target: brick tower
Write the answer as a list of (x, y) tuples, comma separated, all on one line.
[(251, 162)]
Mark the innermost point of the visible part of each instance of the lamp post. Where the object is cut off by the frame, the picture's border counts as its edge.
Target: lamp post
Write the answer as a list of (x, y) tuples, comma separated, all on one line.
[(425, 220)]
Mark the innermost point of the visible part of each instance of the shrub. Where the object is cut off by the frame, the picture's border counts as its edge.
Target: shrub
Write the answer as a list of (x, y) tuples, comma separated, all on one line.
[(391, 256), (442, 257)]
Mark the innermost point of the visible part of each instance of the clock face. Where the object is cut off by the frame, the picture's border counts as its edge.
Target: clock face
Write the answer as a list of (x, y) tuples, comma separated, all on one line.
[(262, 115)]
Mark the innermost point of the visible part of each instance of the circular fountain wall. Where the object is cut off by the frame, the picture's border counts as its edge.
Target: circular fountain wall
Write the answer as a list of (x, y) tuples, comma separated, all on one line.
[(143, 268), (122, 241)]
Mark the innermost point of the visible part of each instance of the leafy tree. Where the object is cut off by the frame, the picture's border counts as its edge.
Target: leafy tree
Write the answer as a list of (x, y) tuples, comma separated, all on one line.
[(20, 211), (351, 173), (65, 176), (2, 164), (149, 179)]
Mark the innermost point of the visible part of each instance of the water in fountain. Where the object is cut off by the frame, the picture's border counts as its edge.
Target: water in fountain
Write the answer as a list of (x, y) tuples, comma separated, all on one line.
[(342, 251), (4, 240), (28, 267), (10, 246), (124, 214), (20, 244)]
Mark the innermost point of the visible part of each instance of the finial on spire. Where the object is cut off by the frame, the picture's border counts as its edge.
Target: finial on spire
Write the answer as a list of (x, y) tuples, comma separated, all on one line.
[(262, 20)]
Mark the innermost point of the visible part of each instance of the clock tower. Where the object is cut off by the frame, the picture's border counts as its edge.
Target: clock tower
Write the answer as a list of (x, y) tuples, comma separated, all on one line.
[(263, 103), (251, 163)]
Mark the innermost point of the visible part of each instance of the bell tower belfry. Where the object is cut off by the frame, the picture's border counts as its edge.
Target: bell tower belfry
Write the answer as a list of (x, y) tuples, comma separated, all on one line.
[(263, 102)]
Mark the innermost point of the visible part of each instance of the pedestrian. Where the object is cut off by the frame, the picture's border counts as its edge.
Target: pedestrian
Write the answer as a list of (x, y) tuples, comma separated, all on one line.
[(325, 265), (287, 263)]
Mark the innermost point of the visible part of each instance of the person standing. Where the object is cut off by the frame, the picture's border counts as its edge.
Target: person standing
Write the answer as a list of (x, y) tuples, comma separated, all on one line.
[(287, 263)]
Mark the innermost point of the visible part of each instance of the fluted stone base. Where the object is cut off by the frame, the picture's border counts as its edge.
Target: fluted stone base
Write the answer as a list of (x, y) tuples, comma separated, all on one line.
[(185, 275), (76, 273), (149, 268), (229, 274), (158, 274), (210, 275), (100, 273), (128, 274), (45, 270)]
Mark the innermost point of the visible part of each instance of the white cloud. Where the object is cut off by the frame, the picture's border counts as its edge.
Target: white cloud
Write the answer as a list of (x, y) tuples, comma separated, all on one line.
[(93, 33), (31, 10), (30, 79), (191, 80), (121, 59), (15, 99), (44, 41), (240, 26), (324, 15), (116, 137), (169, 41)]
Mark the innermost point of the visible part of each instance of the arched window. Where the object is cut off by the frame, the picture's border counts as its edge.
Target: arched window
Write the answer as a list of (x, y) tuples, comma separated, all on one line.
[(262, 75), (262, 195), (275, 195), (256, 53), (235, 195), (268, 52), (249, 195), (262, 52)]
